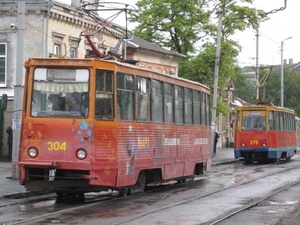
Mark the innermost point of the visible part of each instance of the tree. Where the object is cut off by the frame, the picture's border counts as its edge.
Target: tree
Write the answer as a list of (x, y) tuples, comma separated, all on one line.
[(243, 88), (291, 89), (189, 27)]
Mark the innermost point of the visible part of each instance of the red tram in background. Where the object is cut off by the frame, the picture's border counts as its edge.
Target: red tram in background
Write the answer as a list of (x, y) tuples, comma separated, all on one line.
[(93, 125), (264, 133)]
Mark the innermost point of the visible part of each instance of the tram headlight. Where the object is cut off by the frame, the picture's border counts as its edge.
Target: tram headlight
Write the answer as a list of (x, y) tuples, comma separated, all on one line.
[(81, 154), (264, 144), (243, 144), (32, 152)]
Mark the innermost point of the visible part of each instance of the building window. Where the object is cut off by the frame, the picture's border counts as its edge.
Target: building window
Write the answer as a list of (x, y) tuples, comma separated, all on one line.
[(73, 52), (3, 64), (57, 49)]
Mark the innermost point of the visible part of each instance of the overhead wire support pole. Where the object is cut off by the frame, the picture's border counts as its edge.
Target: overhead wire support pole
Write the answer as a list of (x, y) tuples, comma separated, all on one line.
[(216, 73), (18, 89), (281, 74), (257, 66), (217, 64)]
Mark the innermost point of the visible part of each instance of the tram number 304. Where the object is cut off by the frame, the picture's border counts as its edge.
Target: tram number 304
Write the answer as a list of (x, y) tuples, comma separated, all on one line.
[(57, 146), (253, 142)]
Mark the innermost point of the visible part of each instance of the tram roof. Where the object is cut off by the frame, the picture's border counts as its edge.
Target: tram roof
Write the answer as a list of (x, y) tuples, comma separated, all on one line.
[(35, 61), (270, 107)]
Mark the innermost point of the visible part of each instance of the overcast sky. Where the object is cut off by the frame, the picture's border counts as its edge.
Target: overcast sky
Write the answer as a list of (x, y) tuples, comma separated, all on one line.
[(280, 26)]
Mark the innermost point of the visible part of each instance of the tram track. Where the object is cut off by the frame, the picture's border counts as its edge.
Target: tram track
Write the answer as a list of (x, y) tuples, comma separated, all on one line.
[(95, 202), (251, 204), (197, 197)]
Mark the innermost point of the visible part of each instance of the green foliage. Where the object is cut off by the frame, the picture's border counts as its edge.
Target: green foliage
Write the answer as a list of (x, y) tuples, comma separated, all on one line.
[(172, 23), (190, 28), (243, 88), (223, 108), (291, 89)]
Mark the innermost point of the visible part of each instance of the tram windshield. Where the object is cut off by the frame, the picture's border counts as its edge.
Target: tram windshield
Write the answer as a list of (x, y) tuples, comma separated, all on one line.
[(254, 120), (60, 93)]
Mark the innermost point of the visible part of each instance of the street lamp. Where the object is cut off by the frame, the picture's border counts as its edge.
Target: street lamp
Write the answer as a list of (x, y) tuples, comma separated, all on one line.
[(281, 77), (257, 65), (217, 63)]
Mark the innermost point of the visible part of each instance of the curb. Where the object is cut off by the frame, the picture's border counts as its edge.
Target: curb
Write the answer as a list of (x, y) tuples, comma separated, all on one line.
[(229, 161)]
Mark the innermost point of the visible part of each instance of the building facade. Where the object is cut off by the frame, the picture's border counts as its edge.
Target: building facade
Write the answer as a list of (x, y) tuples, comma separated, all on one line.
[(54, 29)]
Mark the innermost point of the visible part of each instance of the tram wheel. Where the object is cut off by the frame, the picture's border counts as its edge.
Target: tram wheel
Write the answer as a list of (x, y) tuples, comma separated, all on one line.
[(123, 192), (248, 160), (60, 196), (142, 181), (181, 181), (81, 197)]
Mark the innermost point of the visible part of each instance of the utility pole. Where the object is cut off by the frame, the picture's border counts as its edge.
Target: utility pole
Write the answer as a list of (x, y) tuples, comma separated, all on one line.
[(257, 66), (18, 90), (216, 72), (281, 75), (257, 57)]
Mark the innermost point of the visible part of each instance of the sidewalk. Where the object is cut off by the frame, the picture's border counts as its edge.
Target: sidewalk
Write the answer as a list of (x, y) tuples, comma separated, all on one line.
[(9, 186), (224, 155)]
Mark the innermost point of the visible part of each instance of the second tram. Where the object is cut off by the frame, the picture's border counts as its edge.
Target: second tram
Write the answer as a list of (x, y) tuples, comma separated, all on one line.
[(264, 133)]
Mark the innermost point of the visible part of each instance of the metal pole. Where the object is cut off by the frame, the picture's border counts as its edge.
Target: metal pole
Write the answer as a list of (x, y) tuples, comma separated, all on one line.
[(216, 73), (18, 90), (257, 67), (281, 76)]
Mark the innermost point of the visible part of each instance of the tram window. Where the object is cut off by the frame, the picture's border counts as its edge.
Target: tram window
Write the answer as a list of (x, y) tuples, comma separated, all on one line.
[(196, 105), (178, 104), (52, 87), (104, 95), (203, 109), (169, 102), (158, 101), (281, 121), (207, 118), (125, 97), (271, 120), (253, 120), (188, 106), (143, 99)]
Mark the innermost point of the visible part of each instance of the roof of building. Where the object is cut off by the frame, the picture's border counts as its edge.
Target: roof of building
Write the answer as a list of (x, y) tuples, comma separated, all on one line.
[(287, 66), (141, 43), (135, 42)]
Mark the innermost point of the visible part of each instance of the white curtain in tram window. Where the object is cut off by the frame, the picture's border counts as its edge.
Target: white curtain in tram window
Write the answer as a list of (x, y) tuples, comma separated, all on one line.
[(52, 87)]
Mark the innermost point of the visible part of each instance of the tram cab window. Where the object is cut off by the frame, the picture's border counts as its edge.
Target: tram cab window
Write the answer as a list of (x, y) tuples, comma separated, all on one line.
[(253, 120), (60, 93)]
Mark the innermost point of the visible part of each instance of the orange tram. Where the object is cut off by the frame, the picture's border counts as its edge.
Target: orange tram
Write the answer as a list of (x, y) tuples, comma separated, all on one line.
[(264, 133), (93, 125)]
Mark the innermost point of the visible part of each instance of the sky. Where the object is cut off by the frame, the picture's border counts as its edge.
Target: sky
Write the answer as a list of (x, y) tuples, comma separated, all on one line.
[(279, 26)]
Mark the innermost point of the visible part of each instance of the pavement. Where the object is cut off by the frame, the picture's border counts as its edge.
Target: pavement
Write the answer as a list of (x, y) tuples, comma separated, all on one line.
[(10, 186)]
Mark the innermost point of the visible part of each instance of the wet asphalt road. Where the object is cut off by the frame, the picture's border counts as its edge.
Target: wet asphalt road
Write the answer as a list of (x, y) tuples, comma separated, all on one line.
[(177, 204)]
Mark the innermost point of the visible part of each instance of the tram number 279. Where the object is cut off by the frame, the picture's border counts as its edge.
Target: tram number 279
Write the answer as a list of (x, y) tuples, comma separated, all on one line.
[(253, 142), (57, 146)]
